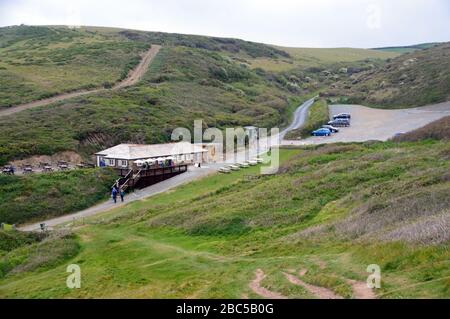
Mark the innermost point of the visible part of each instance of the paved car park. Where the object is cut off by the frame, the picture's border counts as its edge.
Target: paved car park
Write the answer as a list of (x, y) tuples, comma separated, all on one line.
[(378, 124)]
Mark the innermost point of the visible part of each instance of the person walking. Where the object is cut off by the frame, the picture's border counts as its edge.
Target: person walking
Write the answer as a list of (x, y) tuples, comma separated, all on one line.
[(122, 194), (114, 194)]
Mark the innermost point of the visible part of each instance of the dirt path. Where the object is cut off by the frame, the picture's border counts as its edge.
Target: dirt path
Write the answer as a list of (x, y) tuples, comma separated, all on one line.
[(137, 74), (133, 77), (319, 292), (360, 290), (255, 286)]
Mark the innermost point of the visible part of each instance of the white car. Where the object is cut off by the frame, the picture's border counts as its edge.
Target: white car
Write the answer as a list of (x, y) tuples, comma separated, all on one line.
[(331, 128)]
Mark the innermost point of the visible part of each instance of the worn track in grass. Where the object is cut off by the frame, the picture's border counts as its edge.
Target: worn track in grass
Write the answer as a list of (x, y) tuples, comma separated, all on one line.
[(133, 77)]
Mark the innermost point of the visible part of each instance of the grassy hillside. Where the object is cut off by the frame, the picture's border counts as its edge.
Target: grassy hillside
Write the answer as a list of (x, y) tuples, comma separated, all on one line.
[(413, 79), (408, 48), (182, 84), (438, 130), (312, 57), (38, 62), (331, 210), (41, 61), (37, 196)]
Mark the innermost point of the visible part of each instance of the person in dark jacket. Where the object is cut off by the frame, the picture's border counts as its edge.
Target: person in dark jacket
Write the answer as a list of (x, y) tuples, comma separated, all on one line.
[(122, 194), (114, 194)]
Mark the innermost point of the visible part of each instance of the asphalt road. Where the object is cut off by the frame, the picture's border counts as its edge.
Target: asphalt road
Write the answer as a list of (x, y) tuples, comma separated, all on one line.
[(300, 116)]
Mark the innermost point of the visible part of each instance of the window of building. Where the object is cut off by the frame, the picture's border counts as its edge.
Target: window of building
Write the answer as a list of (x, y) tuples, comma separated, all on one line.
[(110, 162), (123, 163)]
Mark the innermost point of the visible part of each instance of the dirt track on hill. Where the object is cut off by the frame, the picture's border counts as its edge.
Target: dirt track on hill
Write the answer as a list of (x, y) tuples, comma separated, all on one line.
[(133, 77), (255, 286)]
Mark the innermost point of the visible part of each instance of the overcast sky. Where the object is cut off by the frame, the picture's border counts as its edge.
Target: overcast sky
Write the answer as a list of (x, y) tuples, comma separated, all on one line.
[(301, 23)]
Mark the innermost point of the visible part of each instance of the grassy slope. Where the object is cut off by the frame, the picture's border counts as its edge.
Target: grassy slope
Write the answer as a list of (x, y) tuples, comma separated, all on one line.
[(36, 196), (38, 62), (439, 129), (183, 84), (312, 57), (318, 115), (413, 79), (207, 238), (407, 49)]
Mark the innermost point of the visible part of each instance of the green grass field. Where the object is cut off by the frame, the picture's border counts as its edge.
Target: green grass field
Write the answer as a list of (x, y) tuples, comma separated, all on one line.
[(331, 209)]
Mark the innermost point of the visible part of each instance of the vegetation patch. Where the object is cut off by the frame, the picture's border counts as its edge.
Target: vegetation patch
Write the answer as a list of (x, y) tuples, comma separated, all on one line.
[(412, 79), (40, 255), (37, 196)]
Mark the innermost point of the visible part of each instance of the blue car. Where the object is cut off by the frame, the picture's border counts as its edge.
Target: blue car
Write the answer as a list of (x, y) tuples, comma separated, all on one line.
[(321, 132)]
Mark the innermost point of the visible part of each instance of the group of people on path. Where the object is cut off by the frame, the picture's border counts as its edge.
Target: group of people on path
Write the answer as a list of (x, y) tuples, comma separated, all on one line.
[(116, 192)]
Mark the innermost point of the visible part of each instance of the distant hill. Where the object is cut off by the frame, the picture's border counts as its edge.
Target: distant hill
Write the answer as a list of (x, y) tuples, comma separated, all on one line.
[(412, 79), (318, 57), (408, 48)]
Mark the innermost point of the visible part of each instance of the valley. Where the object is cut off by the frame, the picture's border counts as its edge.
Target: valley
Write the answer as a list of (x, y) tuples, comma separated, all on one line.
[(366, 195)]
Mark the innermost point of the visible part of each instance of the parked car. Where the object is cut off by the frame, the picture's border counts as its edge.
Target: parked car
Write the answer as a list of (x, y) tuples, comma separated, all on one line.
[(321, 132), (342, 116), (339, 123), (331, 128)]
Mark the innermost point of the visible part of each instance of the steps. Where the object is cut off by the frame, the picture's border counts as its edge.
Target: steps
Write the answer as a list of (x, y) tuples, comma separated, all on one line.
[(128, 181)]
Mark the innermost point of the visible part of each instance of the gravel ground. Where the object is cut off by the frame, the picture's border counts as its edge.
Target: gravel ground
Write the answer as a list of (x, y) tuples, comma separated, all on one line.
[(377, 124)]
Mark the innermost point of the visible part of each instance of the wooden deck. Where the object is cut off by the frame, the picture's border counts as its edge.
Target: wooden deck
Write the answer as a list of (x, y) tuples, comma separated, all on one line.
[(140, 177)]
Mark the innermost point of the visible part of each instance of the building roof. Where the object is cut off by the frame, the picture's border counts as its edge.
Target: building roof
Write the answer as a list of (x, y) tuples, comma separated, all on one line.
[(143, 151)]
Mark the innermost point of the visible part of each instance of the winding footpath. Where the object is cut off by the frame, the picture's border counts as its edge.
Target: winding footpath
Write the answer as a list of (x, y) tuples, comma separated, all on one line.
[(133, 77)]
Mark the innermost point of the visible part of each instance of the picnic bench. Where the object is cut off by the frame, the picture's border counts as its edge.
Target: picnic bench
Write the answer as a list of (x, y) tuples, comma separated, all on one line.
[(63, 165), (27, 168), (46, 167), (9, 170), (85, 165)]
